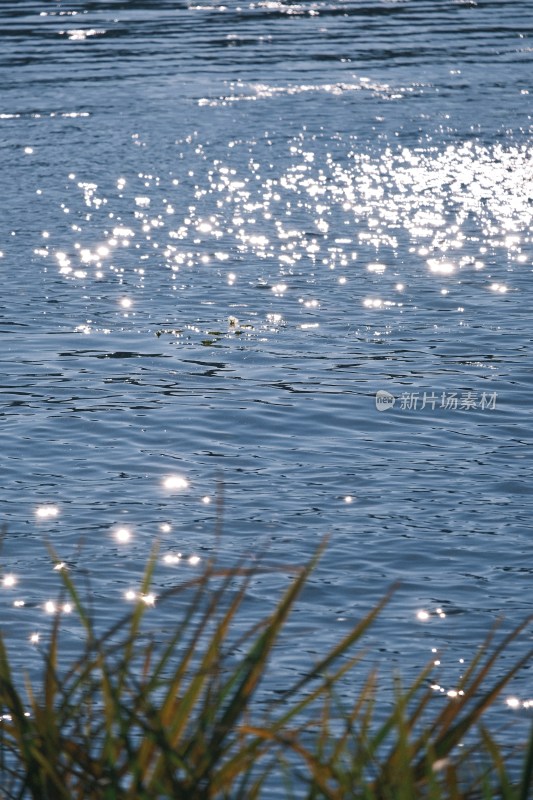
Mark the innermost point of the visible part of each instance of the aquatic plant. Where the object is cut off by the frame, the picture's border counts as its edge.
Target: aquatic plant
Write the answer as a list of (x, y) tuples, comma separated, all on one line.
[(134, 716)]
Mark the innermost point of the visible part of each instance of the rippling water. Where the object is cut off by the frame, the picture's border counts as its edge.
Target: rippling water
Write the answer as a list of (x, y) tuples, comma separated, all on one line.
[(225, 228)]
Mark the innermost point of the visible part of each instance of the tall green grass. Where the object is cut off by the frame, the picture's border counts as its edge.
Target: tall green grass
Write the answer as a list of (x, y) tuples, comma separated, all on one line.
[(136, 718)]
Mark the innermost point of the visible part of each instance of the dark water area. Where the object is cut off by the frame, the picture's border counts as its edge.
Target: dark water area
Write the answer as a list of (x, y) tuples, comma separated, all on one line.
[(225, 228)]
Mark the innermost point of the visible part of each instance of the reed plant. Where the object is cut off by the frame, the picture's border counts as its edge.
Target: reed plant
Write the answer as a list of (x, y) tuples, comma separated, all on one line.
[(138, 717)]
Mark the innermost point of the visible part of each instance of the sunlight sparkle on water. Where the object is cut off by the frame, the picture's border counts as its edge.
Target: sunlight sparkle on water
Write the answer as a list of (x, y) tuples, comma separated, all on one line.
[(9, 581), (123, 232), (175, 482), (80, 34), (498, 287), (47, 511), (148, 599), (424, 615), (440, 267), (172, 558), (465, 197), (123, 535)]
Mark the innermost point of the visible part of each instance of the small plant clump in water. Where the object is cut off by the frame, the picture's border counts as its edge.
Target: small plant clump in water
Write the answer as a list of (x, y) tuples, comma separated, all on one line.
[(137, 721)]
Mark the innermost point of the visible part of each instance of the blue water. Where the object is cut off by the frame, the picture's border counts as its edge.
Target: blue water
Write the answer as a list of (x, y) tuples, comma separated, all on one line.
[(225, 228)]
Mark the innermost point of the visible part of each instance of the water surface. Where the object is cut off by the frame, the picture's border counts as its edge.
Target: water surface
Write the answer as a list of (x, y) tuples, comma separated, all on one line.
[(225, 228)]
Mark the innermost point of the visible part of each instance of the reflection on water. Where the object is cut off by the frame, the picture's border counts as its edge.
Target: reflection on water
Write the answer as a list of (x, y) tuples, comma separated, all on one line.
[(226, 229), (452, 213), (44, 512)]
